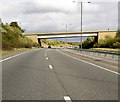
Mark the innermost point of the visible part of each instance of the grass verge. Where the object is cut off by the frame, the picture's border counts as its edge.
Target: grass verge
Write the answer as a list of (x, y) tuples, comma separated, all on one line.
[(9, 52), (105, 49)]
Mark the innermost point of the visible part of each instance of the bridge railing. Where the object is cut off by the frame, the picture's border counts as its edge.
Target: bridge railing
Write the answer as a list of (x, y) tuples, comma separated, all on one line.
[(105, 54)]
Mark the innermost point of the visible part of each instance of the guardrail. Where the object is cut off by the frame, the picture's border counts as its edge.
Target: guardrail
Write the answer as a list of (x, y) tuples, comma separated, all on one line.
[(106, 54)]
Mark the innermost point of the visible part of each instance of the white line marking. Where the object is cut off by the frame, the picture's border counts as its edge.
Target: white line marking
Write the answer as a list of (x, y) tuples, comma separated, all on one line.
[(46, 58), (17, 55), (50, 66), (91, 63), (67, 99), (87, 55)]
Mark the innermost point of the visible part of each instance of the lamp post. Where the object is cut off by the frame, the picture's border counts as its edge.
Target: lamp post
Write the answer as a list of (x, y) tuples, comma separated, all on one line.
[(81, 17), (66, 32), (81, 25), (66, 35)]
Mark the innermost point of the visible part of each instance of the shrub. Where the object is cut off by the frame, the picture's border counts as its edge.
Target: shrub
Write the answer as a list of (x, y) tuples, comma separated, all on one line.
[(88, 43), (95, 45), (107, 42), (6, 45), (116, 45)]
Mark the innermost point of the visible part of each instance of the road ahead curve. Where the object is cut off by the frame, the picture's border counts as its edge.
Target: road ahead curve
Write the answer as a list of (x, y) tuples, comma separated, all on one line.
[(47, 74)]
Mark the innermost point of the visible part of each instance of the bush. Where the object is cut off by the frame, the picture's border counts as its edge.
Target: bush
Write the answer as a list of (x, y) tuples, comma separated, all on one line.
[(95, 45), (118, 33), (107, 42), (88, 43), (116, 45), (6, 45)]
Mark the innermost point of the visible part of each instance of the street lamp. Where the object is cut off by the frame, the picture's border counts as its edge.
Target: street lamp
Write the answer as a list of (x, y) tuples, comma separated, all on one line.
[(66, 32), (81, 18)]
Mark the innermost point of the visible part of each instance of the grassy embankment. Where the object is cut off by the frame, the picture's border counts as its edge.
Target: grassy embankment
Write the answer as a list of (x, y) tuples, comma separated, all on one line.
[(14, 51), (106, 49)]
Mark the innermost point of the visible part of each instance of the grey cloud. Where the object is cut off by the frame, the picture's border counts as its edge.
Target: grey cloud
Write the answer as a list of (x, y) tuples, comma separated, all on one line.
[(31, 8), (42, 17), (34, 7)]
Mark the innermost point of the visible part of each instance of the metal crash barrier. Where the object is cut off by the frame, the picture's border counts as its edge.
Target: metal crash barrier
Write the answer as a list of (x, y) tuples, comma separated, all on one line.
[(105, 54)]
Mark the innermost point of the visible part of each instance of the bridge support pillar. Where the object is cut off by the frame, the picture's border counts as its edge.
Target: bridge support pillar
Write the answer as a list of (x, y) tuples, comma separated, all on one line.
[(39, 42), (96, 39)]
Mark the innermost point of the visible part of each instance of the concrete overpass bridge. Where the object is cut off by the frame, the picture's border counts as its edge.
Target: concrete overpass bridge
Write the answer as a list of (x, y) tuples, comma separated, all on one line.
[(97, 34)]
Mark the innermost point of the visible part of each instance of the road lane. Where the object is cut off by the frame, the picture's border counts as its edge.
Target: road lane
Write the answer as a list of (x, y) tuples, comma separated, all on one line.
[(83, 81), (28, 77), (102, 65)]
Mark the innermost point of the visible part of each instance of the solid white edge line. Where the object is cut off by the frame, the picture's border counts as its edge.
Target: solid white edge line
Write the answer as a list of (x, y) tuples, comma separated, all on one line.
[(17, 55), (91, 63), (85, 54), (50, 66), (67, 99)]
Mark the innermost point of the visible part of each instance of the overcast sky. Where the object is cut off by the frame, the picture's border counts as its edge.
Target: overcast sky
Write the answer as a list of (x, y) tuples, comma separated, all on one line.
[(48, 15)]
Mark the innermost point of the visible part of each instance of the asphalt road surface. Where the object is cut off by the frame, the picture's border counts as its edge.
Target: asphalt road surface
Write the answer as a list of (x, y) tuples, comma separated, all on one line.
[(48, 74)]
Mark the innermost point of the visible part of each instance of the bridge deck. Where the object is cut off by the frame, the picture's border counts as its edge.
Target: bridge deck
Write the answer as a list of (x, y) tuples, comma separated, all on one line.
[(64, 33), (68, 36)]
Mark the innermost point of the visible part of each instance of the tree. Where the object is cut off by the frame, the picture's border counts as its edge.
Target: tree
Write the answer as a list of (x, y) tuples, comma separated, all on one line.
[(117, 37), (15, 24), (1, 27), (89, 42), (0, 21), (118, 34)]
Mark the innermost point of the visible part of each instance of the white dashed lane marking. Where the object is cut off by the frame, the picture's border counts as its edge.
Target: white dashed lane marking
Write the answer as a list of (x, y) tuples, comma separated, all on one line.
[(91, 64), (50, 66), (67, 99), (46, 58)]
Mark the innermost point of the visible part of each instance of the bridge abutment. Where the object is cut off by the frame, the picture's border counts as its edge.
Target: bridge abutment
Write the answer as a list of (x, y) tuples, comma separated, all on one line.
[(103, 34), (32, 37)]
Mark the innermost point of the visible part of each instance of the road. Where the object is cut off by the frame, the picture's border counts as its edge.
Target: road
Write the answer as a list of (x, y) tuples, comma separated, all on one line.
[(48, 74)]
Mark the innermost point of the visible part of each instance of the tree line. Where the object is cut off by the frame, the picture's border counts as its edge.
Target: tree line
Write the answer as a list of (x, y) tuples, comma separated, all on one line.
[(11, 36), (59, 43)]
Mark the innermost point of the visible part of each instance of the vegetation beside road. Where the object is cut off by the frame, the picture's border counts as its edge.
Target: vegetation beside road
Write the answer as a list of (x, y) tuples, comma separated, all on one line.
[(12, 37), (57, 43), (14, 51), (106, 49), (108, 42)]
